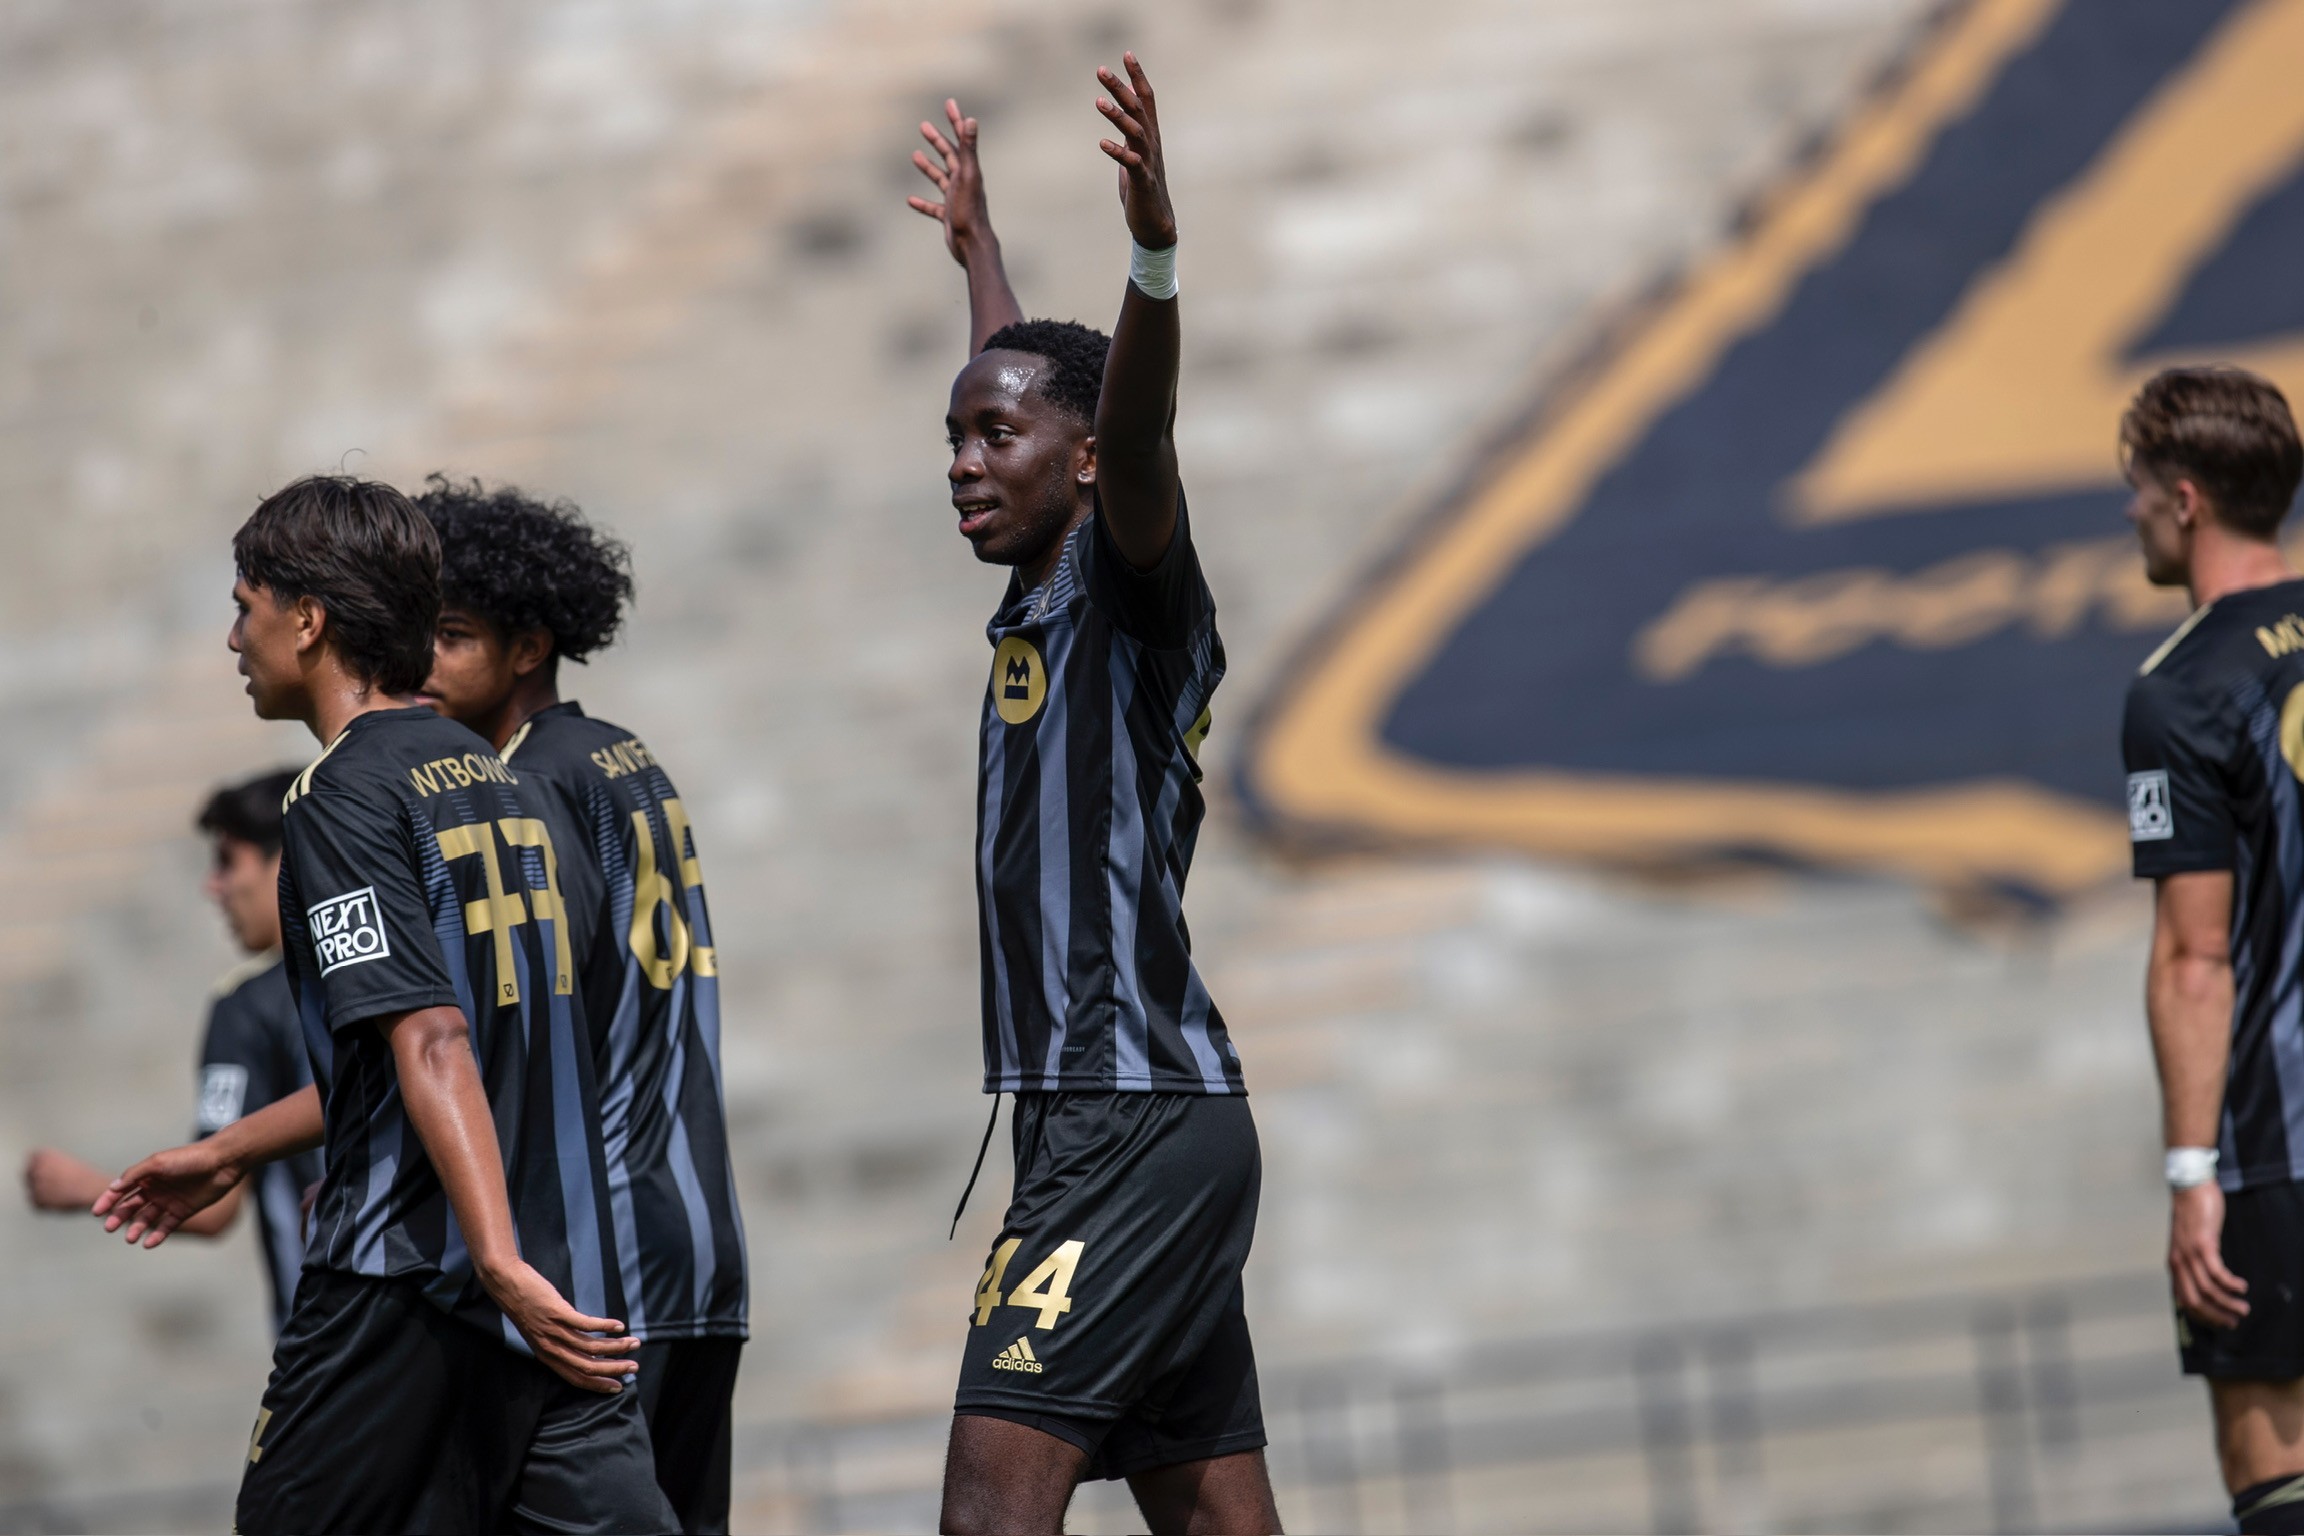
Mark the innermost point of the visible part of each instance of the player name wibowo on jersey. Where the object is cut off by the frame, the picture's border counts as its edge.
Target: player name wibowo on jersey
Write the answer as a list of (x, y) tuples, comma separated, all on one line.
[(652, 999), (418, 872), (2214, 743)]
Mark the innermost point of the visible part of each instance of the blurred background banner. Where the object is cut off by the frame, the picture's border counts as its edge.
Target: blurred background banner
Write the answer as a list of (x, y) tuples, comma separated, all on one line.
[(1821, 556)]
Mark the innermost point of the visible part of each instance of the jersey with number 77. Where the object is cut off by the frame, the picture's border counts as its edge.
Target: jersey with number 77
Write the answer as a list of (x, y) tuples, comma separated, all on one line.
[(417, 872)]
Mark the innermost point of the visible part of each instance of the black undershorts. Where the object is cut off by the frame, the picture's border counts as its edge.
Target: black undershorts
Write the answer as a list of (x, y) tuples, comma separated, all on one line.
[(1110, 1311)]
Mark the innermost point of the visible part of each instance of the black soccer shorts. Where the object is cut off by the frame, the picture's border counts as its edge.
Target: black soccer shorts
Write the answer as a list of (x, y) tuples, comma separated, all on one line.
[(1110, 1311), (2263, 1245), (686, 1386), (386, 1414)]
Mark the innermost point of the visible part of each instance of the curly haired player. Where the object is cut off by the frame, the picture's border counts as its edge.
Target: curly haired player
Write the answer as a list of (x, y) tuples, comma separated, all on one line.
[(525, 586), (1109, 1336)]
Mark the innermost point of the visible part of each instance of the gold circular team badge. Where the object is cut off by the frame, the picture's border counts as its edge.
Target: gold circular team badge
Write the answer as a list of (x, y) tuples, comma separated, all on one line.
[(1019, 680)]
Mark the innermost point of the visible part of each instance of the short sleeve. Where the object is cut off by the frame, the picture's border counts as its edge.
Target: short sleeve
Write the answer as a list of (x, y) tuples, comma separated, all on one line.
[(2176, 744), (361, 922), (1162, 607), (235, 1071)]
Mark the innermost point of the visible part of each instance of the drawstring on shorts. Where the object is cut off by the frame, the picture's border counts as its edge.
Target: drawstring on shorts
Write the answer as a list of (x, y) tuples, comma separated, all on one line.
[(982, 1147)]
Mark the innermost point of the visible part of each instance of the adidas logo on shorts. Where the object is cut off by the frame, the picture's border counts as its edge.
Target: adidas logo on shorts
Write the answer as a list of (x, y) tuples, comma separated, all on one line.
[(1017, 1357)]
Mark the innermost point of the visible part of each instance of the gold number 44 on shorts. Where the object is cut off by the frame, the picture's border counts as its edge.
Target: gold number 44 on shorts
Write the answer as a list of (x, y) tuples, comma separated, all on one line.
[(1047, 1290)]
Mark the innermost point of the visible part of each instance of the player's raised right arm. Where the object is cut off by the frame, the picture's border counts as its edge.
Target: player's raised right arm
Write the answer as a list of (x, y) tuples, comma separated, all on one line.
[(448, 1106), (959, 179)]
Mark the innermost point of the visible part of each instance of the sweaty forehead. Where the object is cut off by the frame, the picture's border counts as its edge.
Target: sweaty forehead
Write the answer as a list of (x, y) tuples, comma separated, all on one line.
[(1002, 376)]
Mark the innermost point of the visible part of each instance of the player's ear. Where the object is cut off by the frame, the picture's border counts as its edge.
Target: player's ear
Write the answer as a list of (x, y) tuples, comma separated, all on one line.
[(311, 617), (1084, 461), (530, 650)]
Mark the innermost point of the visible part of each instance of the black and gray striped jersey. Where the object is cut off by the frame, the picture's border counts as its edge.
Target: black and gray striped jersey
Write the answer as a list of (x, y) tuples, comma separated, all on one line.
[(1088, 807), (253, 1055), (647, 967), (2214, 743), (417, 872)]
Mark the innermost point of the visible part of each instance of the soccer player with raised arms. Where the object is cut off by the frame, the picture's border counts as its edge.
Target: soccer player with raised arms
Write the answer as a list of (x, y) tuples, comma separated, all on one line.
[(1108, 1336), (433, 1374), (526, 586), (2214, 742)]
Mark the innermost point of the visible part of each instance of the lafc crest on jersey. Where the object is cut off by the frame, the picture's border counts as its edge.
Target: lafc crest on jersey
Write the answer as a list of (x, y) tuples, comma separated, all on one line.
[(1823, 559)]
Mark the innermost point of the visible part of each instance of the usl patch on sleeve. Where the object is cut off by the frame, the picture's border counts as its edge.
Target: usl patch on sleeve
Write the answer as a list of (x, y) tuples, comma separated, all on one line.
[(223, 1089), (2149, 818), (348, 929)]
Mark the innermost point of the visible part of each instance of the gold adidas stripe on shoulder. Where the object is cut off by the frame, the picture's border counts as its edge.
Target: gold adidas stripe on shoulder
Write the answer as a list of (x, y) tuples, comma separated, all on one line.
[(2175, 639), (303, 784), (518, 737)]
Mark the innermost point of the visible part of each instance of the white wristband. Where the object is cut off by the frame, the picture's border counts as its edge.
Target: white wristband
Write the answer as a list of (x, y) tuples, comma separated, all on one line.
[(1153, 272), (2190, 1167)]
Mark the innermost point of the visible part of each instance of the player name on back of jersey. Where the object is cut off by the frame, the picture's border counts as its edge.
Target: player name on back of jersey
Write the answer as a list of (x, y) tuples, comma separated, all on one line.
[(443, 774), (623, 757), (2283, 637)]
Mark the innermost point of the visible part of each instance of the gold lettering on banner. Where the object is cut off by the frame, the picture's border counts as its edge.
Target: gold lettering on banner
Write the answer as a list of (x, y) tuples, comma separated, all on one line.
[(1804, 621)]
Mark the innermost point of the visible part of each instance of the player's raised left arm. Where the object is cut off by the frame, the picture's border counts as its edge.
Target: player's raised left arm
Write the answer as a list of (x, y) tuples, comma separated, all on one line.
[(170, 1189), (1136, 413)]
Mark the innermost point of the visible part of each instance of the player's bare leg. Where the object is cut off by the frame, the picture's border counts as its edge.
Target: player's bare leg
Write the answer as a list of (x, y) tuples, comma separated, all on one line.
[(1002, 1478), (1223, 1496), (2259, 1433)]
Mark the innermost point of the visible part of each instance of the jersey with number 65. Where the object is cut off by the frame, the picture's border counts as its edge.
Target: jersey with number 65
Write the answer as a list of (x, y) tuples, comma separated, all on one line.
[(417, 872), (2214, 741), (648, 970)]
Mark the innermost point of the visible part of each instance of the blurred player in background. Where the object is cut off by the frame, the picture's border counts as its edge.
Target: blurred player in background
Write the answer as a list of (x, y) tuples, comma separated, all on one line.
[(2214, 741), (253, 1054), (526, 586), (433, 1374), (1109, 1337)]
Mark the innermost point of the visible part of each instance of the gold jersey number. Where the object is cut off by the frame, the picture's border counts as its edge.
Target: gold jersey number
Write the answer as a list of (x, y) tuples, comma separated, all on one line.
[(1047, 1290), (503, 908), (657, 902)]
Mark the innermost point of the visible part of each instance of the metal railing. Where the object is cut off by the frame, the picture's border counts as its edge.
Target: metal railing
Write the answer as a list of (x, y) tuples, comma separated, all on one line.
[(2045, 1408)]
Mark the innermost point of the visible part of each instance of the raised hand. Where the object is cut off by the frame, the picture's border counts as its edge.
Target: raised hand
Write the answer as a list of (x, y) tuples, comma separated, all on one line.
[(959, 179), (165, 1190), (1143, 169)]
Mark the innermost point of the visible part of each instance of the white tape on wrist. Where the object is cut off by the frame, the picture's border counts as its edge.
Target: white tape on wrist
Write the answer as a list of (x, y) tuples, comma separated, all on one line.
[(1153, 272), (2190, 1167)]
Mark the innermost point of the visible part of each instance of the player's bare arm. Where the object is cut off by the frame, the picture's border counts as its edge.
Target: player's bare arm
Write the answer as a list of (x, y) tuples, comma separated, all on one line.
[(58, 1181), (440, 1083), (1136, 415), (2188, 998), (959, 206), (169, 1189)]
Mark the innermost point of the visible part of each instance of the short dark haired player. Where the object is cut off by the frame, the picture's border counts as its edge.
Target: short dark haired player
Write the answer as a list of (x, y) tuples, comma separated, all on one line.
[(526, 585), (433, 1374), (1108, 1337), (253, 1052), (2214, 742)]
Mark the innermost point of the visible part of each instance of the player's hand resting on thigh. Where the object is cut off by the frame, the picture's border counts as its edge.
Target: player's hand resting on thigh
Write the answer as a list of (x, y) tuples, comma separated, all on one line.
[(2204, 1287), (587, 1352)]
